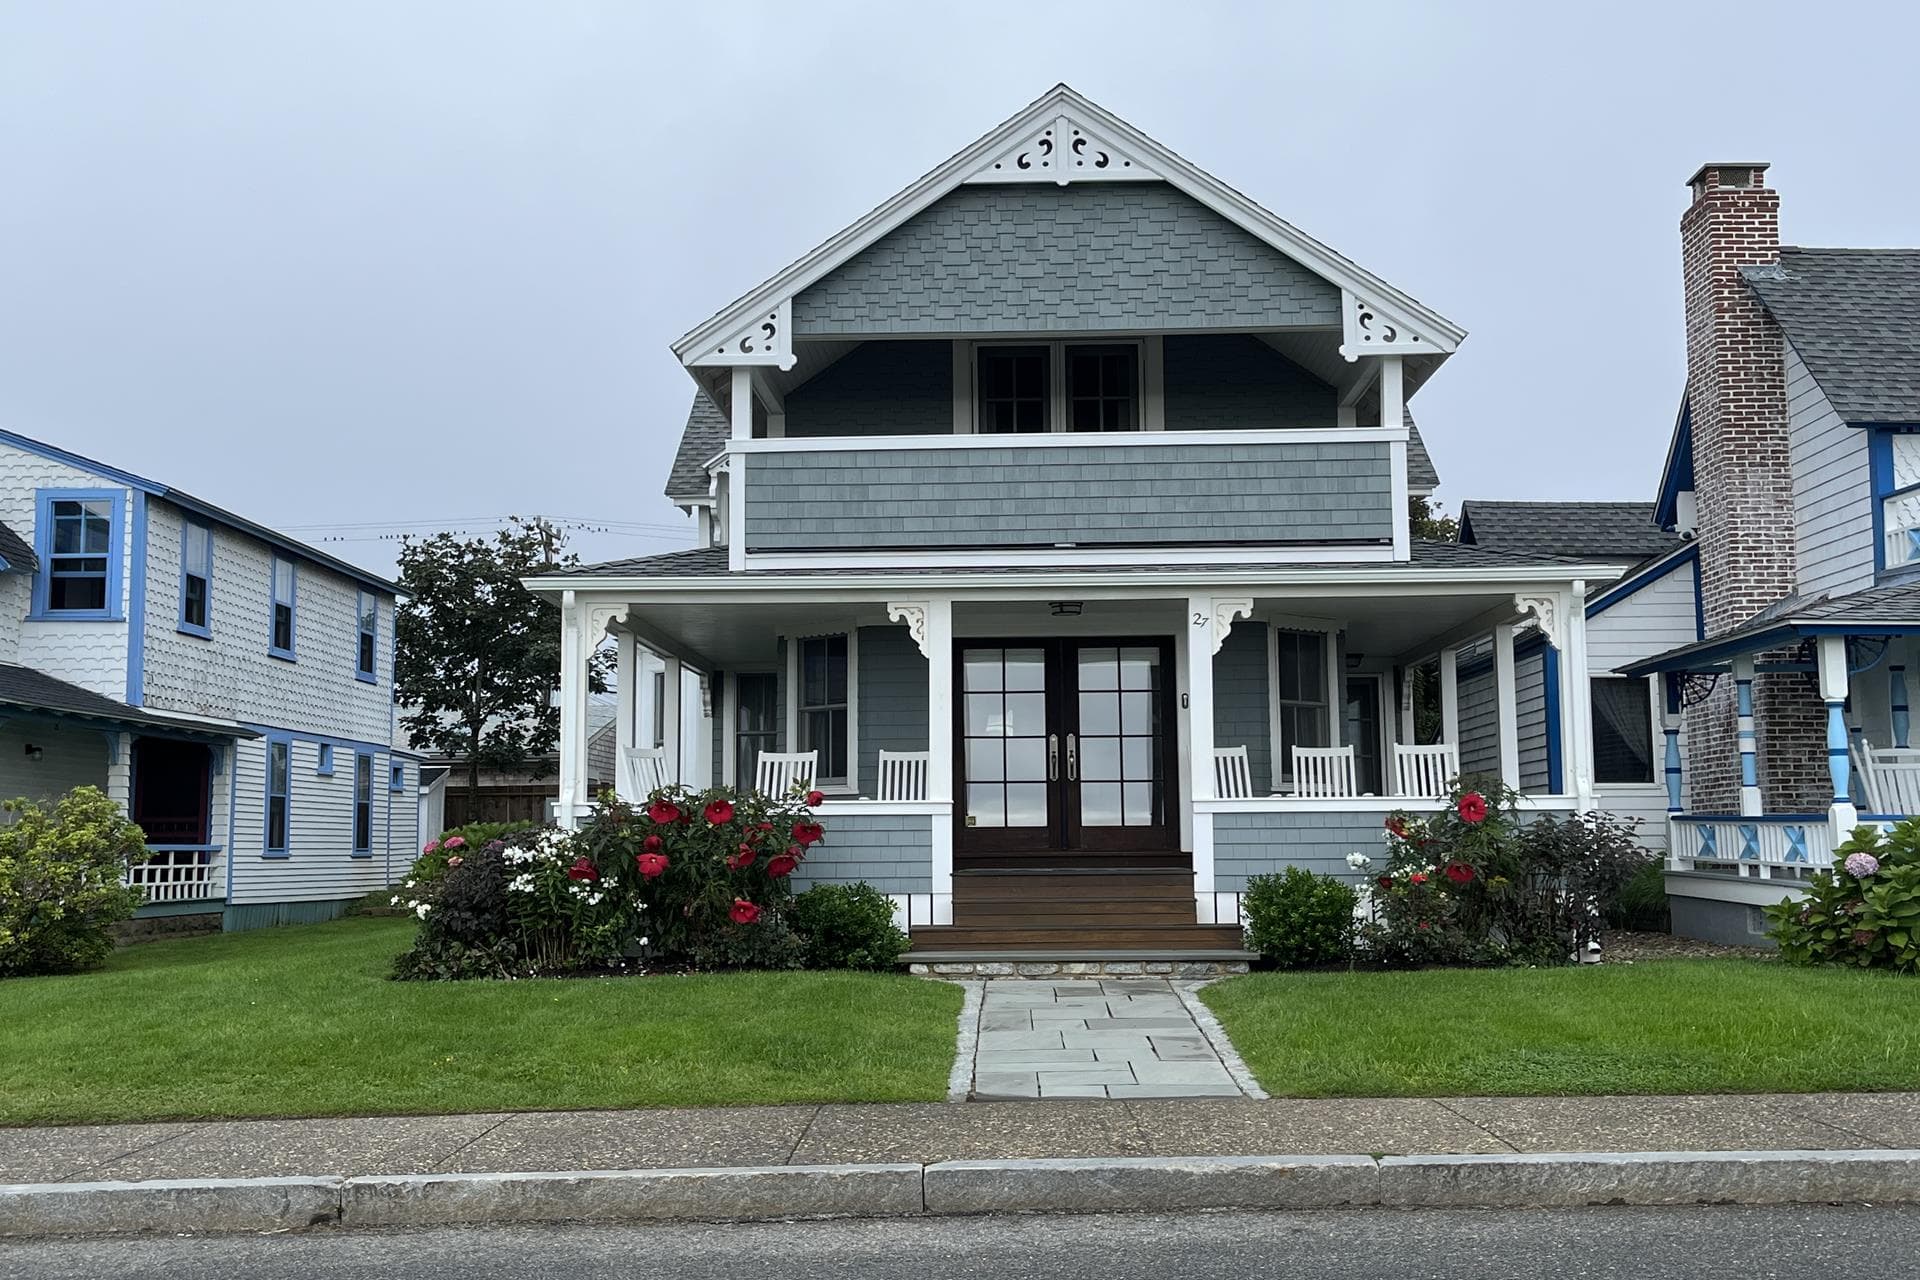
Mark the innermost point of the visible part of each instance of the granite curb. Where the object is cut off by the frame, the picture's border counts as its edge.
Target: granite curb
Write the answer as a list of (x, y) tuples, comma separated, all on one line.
[(957, 1187)]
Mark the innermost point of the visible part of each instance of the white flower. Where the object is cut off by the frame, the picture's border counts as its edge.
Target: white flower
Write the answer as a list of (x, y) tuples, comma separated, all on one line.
[(1359, 861), (407, 885), (395, 901), (421, 910)]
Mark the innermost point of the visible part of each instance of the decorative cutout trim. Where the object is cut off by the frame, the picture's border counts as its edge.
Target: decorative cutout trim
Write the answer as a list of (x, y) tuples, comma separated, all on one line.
[(915, 616), (1371, 329), (601, 616), (767, 339), (1224, 612), (1061, 151), (1546, 610)]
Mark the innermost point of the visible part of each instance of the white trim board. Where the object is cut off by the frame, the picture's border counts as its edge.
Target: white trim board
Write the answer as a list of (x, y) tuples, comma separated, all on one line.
[(1067, 439)]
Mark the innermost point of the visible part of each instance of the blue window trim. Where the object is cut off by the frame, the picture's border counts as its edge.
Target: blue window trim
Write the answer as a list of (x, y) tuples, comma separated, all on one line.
[(267, 793), (287, 654), (362, 759), (204, 631), (43, 547), (361, 632), (325, 767), (396, 777)]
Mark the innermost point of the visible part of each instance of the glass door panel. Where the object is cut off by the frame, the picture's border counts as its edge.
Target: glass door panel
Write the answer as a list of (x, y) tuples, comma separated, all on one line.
[(1008, 751), (1118, 747)]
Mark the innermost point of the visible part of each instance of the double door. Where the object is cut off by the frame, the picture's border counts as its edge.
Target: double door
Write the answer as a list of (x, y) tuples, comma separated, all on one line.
[(1064, 745)]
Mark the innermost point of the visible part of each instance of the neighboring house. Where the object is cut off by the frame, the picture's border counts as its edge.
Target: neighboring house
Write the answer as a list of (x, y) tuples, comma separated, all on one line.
[(1648, 606), (1074, 472), (525, 794), (1795, 466), (231, 688)]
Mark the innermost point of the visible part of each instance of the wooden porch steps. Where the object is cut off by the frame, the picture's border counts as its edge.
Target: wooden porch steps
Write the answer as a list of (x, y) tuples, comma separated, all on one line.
[(1054, 911)]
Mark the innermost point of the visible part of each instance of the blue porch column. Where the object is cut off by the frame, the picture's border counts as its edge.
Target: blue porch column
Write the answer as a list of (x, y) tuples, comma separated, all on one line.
[(1897, 688), (1670, 726), (1749, 751), (1832, 655)]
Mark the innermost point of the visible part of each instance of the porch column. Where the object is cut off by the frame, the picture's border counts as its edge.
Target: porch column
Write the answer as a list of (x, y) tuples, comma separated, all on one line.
[(1576, 705), (1508, 703), (1670, 727), (1897, 690), (670, 720), (573, 712), (1450, 695), (627, 685), (938, 643), (1199, 653), (1832, 662), (1750, 805)]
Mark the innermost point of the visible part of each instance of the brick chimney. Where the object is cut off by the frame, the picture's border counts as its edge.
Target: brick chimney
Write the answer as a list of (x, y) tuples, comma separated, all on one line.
[(1737, 386)]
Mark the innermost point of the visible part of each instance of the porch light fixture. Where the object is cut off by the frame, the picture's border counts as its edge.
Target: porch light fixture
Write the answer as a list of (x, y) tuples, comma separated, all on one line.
[(35, 752), (1354, 660), (1065, 608)]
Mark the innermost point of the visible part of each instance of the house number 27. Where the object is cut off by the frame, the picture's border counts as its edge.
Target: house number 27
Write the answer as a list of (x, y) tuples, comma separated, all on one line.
[(1199, 619)]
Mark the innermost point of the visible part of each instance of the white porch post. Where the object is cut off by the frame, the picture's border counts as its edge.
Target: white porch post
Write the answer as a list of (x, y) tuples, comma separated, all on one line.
[(1450, 695), (1508, 703), (670, 720), (938, 643), (1750, 805), (627, 685), (1576, 699), (1393, 414), (1409, 720), (1200, 649), (1832, 661), (573, 711)]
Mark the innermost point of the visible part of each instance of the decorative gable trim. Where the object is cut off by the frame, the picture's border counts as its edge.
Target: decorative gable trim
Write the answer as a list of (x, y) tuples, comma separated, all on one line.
[(765, 339), (1128, 150), (1372, 326)]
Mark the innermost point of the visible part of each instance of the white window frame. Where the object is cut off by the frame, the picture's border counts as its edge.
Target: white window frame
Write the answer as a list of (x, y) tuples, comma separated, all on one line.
[(1148, 364), (851, 784), (1335, 695)]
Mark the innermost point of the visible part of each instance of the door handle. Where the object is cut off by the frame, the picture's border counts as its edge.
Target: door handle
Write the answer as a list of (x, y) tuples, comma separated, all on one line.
[(1053, 757), (1073, 757)]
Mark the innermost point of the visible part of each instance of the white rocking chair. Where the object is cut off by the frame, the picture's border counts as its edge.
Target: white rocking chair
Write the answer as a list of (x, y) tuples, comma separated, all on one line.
[(778, 774), (903, 775), (1425, 772), (1324, 772), (643, 771), (1231, 778), (1889, 777)]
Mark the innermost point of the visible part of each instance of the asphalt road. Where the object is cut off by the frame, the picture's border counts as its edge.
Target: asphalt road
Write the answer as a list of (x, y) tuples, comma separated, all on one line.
[(1584, 1244)]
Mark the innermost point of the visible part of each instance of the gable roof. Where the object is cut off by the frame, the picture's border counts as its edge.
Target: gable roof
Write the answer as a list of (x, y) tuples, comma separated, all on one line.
[(1854, 317), (17, 555), (34, 690), (998, 156), (199, 507), (1585, 530)]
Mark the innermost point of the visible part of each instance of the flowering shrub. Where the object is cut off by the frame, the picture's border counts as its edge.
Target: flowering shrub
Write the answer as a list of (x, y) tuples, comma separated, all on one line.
[(448, 845), (1473, 885), (1864, 912), (60, 882), (1297, 919)]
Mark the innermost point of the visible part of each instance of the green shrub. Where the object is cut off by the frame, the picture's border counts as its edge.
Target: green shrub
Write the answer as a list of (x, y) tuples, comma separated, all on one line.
[(848, 926), (432, 862), (61, 890), (1641, 903), (1297, 919), (767, 943), (1864, 912)]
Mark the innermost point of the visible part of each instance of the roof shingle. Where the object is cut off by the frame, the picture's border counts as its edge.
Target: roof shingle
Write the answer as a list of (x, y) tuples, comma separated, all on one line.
[(1590, 530), (1854, 317)]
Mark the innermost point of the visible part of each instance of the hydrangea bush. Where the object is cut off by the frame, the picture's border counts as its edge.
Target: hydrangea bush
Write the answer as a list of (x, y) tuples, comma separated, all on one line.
[(1864, 912)]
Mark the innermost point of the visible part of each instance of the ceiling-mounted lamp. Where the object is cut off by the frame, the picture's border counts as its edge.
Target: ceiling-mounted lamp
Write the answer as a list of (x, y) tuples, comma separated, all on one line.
[(1354, 660), (35, 752), (1065, 608)]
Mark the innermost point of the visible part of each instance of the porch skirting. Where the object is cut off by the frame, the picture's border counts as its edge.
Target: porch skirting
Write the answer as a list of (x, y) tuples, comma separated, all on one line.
[(892, 848)]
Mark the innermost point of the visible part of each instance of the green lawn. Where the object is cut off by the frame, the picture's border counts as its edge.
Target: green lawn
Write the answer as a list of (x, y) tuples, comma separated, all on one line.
[(1671, 1026), (302, 1021)]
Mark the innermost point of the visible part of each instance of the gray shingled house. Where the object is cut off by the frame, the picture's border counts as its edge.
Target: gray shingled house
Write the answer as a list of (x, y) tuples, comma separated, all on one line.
[(1054, 518)]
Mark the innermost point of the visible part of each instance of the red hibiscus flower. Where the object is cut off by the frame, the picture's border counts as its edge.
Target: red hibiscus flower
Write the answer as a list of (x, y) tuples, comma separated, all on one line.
[(663, 812), (1473, 808), (1397, 827), (1459, 872), (719, 813), (1423, 924), (781, 865), (1385, 882), (1418, 877), (744, 912), (653, 844), (651, 864), (742, 859), (765, 826), (582, 869), (815, 799), (808, 832)]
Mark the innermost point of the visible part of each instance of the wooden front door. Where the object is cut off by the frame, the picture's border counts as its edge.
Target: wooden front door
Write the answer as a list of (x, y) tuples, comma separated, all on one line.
[(1064, 746)]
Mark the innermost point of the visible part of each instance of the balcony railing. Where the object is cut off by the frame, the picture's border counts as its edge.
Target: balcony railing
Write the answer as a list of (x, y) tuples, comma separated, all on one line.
[(181, 873), (1900, 524)]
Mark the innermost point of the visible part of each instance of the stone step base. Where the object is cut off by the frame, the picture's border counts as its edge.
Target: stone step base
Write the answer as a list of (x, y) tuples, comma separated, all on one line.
[(1052, 967)]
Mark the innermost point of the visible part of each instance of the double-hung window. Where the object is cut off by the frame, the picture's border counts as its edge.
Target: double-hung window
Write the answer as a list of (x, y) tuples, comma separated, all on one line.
[(1057, 387), (279, 788), (824, 706), (362, 803), (1300, 693), (79, 537), (280, 629), (364, 649), (756, 718), (1622, 730), (196, 578)]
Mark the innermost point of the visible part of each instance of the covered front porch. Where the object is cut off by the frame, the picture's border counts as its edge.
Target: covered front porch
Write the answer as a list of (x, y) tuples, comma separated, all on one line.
[(1164, 737)]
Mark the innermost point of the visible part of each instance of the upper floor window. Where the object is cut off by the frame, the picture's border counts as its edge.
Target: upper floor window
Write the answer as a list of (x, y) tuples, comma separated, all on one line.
[(824, 668), (79, 544), (1897, 480), (364, 648), (196, 578), (1059, 386), (280, 633)]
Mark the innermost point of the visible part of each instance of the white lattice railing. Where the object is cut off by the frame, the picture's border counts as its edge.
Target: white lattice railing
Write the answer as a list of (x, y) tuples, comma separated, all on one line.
[(1757, 846), (181, 873)]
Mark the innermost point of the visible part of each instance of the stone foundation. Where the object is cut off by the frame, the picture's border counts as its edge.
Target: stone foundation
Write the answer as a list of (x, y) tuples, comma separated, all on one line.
[(1054, 969)]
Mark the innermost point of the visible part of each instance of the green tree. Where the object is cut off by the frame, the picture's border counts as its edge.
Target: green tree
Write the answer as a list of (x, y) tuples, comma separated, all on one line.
[(1428, 523), (478, 654)]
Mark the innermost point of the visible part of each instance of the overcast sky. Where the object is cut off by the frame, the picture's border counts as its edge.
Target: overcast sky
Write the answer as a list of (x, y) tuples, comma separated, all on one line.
[(346, 267)]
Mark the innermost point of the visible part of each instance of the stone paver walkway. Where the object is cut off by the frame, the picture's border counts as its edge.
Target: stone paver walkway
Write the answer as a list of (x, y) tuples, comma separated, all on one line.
[(1097, 1038)]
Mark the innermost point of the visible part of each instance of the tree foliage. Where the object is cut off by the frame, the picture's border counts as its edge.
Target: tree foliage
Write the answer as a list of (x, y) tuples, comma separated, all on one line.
[(478, 654), (1428, 523)]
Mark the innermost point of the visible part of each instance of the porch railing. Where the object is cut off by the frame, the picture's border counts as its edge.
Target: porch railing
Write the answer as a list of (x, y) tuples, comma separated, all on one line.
[(1766, 847), (181, 873)]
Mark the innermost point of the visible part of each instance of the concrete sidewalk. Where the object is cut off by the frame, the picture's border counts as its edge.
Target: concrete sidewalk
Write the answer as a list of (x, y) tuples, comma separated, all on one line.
[(925, 1134)]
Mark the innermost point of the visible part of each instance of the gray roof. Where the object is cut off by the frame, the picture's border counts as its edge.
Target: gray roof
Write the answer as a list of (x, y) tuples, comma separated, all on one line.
[(711, 562), (37, 691), (1854, 317), (15, 551), (1876, 610), (1584, 530), (707, 429)]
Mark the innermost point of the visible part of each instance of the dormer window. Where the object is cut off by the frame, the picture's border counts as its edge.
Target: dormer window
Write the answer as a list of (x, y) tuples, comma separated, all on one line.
[(1057, 386)]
